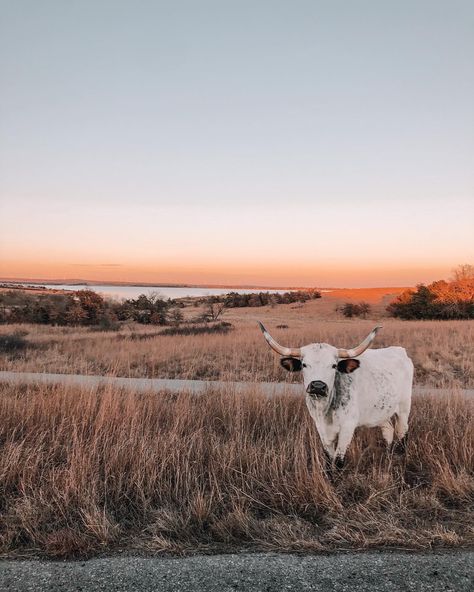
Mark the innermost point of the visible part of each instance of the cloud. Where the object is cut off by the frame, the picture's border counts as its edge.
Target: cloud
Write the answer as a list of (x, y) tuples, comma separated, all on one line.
[(96, 264)]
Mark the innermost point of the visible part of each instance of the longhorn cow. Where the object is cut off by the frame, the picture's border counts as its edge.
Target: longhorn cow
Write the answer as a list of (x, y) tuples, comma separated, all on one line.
[(348, 388)]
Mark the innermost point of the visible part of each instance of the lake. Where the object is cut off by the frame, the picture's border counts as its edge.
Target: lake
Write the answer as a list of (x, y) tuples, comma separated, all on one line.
[(126, 292)]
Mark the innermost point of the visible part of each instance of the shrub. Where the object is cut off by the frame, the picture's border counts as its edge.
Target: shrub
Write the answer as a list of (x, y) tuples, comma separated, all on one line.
[(13, 343), (236, 300), (176, 316), (148, 309), (215, 308), (92, 304), (439, 300), (107, 322), (83, 307), (351, 309), (221, 327), (138, 336)]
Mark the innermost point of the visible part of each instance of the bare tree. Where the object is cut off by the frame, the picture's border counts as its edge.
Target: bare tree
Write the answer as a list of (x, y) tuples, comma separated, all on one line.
[(176, 317), (214, 309), (463, 272), (364, 309), (155, 296)]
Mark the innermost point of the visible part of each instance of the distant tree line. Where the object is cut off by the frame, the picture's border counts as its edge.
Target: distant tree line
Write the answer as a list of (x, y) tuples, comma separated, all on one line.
[(440, 300), (236, 300), (83, 307), (150, 309), (88, 308)]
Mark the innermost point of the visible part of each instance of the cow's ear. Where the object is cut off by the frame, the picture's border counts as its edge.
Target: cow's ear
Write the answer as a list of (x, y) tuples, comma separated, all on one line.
[(348, 366), (291, 364)]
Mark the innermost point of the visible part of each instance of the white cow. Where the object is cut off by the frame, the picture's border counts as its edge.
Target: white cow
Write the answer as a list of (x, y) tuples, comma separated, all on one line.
[(346, 389)]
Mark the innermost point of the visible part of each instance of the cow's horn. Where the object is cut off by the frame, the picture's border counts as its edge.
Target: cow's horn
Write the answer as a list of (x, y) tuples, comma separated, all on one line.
[(360, 349), (295, 352)]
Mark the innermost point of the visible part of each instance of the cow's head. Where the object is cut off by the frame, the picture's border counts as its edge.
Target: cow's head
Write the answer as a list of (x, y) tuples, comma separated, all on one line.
[(319, 362)]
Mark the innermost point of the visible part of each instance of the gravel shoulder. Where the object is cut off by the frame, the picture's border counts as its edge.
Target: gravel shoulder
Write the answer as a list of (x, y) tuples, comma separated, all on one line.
[(266, 572)]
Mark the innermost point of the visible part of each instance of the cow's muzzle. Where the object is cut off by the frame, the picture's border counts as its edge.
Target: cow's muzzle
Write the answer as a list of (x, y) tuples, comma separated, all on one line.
[(317, 388)]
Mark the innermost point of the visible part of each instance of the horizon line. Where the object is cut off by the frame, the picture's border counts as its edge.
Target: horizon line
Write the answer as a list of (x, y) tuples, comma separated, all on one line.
[(81, 281)]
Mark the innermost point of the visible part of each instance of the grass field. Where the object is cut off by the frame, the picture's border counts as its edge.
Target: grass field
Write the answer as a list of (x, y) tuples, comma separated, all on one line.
[(85, 472), (442, 351)]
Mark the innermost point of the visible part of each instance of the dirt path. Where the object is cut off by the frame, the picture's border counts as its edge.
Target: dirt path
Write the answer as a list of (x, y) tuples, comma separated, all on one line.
[(265, 572), (161, 384)]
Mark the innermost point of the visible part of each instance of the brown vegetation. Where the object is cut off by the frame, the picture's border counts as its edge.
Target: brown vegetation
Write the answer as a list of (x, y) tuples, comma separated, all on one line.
[(88, 308), (206, 329), (443, 351), (355, 309), (438, 300), (86, 471)]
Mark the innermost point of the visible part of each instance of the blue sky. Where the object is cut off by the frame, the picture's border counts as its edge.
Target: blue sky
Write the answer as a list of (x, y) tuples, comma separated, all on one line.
[(215, 140)]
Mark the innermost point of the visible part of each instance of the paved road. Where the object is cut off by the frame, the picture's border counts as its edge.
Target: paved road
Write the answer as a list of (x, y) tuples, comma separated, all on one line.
[(361, 572), (159, 384), (145, 384)]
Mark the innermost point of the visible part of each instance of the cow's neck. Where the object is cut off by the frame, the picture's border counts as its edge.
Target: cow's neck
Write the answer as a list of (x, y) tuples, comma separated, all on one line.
[(341, 391)]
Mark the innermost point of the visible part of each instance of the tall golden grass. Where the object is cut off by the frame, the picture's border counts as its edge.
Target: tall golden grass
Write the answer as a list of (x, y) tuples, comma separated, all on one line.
[(84, 471), (442, 351)]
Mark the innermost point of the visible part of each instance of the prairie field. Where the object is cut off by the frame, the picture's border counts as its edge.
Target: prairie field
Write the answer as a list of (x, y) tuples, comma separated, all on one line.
[(442, 351), (87, 471), (84, 471)]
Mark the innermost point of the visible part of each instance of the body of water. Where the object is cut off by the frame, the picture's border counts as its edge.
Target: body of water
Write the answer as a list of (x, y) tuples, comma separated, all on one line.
[(125, 292)]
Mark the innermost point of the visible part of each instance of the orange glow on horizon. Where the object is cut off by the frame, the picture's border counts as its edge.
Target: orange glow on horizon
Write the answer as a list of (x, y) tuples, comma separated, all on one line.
[(263, 274), (254, 245)]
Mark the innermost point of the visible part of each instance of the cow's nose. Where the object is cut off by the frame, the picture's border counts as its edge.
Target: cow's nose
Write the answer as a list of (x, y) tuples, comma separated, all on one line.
[(317, 387)]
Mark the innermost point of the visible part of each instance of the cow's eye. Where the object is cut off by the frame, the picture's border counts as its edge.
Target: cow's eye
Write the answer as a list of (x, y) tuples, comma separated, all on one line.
[(304, 365), (334, 365)]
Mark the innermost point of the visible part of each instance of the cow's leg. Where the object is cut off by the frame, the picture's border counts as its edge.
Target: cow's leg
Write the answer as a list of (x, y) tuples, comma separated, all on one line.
[(387, 432), (329, 452), (401, 429), (345, 438), (328, 440), (401, 425)]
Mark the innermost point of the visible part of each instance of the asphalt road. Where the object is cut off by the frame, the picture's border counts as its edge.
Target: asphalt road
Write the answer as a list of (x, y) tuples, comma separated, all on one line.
[(265, 572)]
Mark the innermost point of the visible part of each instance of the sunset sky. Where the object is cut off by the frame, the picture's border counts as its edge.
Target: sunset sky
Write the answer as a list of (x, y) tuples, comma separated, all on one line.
[(280, 143)]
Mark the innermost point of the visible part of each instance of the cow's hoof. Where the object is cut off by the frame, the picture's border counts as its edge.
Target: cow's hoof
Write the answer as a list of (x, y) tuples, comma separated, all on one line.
[(339, 462), (326, 464), (400, 446)]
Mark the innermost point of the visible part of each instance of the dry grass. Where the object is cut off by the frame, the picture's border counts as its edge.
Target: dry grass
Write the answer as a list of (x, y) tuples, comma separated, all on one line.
[(84, 471), (87, 471), (443, 351)]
